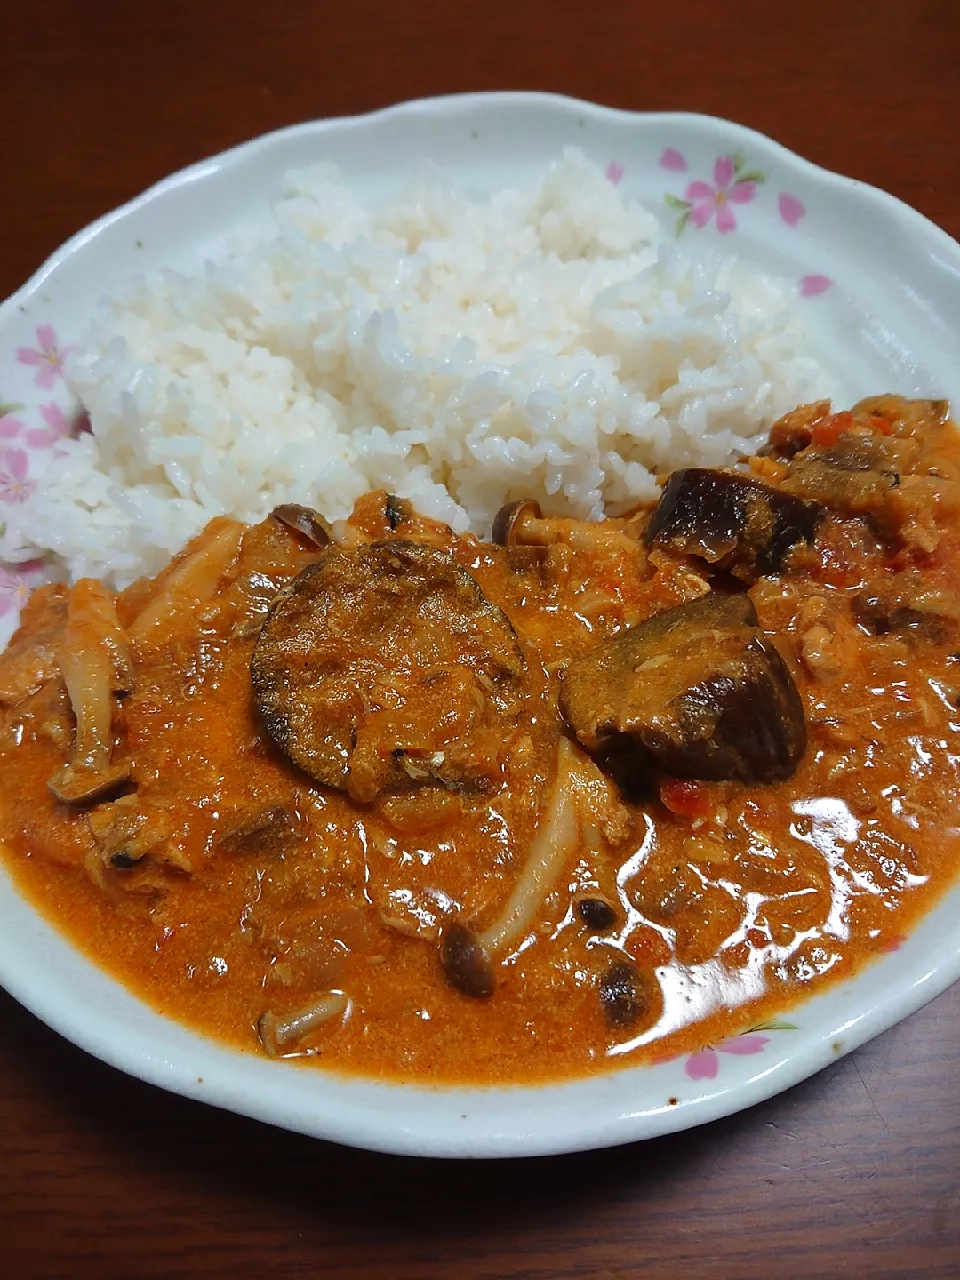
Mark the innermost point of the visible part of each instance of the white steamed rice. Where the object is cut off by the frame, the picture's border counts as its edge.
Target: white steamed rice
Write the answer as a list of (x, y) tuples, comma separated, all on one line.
[(547, 342)]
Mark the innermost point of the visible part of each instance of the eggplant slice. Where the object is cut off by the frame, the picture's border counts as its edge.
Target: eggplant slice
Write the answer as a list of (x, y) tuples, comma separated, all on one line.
[(385, 667), (697, 691), (857, 476), (731, 521), (909, 609)]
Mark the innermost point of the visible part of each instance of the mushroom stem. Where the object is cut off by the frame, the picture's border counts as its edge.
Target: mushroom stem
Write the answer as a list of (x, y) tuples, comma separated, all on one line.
[(278, 1035), (510, 520), (193, 579), (95, 661)]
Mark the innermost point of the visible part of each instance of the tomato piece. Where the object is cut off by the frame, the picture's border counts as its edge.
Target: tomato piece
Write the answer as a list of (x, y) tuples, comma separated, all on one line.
[(738, 956), (839, 565), (910, 558), (835, 575), (647, 948), (684, 797), (829, 430), (881, 424)]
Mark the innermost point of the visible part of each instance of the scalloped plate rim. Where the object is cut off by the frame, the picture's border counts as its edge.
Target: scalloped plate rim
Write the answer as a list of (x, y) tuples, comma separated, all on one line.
[(440, 104), (372, 1113)]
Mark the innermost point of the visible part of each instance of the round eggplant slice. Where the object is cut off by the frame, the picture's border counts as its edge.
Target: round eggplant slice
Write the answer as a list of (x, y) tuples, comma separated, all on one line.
[(385, 667), (697, 691)]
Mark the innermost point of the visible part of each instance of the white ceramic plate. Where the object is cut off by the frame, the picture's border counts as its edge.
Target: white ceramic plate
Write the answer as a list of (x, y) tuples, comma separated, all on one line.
[(882, 289)]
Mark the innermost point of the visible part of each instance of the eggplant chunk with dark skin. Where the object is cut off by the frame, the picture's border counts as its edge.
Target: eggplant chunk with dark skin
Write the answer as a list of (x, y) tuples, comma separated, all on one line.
[(385, 667), (697, 692), (731, 521)]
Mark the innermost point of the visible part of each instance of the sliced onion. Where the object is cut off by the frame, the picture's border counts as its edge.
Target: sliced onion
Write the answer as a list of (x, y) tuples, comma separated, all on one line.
[(556, 840)]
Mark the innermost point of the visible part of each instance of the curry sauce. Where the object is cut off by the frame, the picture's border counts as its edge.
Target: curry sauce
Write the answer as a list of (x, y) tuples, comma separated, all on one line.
[(419, 806)]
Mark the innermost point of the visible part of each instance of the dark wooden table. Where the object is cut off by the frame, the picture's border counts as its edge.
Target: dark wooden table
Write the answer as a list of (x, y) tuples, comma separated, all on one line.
[(856, 1172)]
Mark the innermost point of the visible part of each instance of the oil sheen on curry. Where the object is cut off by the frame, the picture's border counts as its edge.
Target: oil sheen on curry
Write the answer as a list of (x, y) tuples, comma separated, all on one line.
[(420, 806)]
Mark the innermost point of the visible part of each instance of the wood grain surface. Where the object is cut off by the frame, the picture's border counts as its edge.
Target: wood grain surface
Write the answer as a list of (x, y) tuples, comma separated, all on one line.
[(854, 1172)]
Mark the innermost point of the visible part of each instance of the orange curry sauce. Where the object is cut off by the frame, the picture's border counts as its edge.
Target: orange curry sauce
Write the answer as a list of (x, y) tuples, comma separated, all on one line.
[(732, 901)]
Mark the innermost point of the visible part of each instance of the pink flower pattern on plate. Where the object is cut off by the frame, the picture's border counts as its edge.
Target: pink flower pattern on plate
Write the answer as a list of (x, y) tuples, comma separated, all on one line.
[(704, 202), (48, 356), (14, 469), (792, 209), (672, 160), (613, 172), (59, 427), (813, 286), (23, 429), (705, 1064), (16, 583)]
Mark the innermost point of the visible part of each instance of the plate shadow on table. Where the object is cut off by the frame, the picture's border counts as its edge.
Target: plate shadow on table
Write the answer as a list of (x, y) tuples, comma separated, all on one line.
[(143, 1158), (238, 1154)]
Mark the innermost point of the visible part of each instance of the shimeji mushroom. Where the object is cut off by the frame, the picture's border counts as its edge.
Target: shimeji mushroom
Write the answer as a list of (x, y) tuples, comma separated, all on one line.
[(96, 664)]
